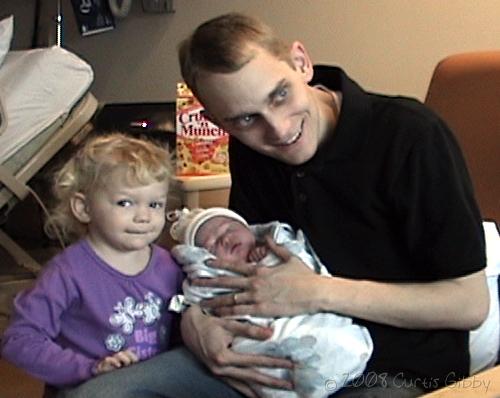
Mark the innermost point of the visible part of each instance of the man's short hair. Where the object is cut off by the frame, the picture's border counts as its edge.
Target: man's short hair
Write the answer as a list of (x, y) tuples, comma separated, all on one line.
[(224, 45)]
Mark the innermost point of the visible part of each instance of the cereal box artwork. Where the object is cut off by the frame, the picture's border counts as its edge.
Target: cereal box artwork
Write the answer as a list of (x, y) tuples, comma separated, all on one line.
[(201, 146)]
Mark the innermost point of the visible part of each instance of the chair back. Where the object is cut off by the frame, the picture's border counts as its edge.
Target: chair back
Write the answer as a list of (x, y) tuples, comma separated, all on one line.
[(465, 92)]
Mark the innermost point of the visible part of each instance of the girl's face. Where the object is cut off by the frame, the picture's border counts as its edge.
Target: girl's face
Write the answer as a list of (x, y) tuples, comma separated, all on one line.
[(229, 240), (124, 218)]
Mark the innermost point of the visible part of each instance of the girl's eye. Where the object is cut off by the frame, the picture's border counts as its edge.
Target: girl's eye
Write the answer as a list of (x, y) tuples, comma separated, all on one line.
[(124, 203), (157, 205)]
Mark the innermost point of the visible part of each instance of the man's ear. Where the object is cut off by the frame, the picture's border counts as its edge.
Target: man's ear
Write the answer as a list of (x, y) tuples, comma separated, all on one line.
[(301, 60), (78, 204)]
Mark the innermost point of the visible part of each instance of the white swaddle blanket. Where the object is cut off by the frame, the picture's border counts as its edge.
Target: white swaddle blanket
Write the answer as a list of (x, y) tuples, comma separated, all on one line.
[(328, 350)]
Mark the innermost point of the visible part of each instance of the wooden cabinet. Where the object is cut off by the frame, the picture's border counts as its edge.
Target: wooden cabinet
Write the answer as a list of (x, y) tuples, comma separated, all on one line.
[(206, 191)]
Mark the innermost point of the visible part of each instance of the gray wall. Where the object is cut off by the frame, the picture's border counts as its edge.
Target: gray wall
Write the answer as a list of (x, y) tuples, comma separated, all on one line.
[(389, 46)]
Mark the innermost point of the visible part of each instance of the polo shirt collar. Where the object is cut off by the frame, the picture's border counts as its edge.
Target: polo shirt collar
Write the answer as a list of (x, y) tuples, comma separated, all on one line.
[(352, 128)]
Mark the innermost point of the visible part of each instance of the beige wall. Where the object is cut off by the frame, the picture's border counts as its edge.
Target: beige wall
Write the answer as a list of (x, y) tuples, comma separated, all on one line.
[(389, 46)]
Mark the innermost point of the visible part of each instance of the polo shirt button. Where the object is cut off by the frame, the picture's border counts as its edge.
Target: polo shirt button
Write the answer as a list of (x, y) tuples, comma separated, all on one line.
[(302, 197), (300, 174)]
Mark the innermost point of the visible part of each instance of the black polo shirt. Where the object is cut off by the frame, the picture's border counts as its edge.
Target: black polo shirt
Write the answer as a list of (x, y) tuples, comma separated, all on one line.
[(387, 197)]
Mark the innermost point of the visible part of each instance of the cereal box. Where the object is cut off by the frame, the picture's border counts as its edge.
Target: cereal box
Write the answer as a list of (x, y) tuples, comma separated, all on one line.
[(201, 146)]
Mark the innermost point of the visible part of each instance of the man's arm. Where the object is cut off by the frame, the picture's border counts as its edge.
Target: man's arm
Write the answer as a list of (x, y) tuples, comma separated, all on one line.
[(289, 289), (211, 338), (459, 303)]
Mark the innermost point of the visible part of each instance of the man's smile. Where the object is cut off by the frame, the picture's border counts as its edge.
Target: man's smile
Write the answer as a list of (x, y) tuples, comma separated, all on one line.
[(292, 140)]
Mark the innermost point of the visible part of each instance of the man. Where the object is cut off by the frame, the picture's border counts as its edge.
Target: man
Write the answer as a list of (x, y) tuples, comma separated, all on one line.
[(379, 186)]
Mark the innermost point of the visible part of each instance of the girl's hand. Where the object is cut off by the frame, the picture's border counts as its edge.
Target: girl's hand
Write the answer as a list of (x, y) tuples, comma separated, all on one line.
[(116, 361)]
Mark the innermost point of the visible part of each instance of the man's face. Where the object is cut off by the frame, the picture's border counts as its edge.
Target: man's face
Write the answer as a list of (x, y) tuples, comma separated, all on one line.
[(268, 105)]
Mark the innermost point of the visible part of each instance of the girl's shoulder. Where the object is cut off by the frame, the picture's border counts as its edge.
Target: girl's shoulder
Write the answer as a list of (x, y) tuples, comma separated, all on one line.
[(162, 257), (161, 252), (73, 253), (73, 262)]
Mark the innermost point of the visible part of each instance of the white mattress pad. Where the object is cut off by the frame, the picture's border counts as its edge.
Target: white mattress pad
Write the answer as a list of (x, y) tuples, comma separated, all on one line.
[(38, 87)]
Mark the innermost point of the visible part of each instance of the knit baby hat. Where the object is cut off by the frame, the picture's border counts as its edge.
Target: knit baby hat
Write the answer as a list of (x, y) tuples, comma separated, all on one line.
[(186, 223)]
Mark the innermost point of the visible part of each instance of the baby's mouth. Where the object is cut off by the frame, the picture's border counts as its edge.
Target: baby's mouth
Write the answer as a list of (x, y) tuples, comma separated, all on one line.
[(235, 247)]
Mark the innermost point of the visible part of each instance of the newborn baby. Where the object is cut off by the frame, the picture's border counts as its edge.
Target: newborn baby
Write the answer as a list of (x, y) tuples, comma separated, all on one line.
[(328, 350)]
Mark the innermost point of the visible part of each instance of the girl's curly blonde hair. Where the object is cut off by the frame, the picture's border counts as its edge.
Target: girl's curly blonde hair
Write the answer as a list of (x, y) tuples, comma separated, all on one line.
[(142, 162)]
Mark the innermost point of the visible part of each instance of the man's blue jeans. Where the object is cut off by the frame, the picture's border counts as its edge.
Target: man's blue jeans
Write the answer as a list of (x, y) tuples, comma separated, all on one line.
[(173, 374), (178, 374)]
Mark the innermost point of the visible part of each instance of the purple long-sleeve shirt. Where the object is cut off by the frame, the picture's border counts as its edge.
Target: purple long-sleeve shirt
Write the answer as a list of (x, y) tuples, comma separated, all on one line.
[(81, 310)]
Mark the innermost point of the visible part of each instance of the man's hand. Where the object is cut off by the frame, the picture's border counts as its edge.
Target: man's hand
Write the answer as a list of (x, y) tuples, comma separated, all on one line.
[(291, 288), (211, 338), (282, 290), (116, 361)]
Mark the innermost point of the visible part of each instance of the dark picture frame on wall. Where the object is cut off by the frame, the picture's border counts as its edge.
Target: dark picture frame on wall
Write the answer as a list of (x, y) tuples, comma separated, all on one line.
[(93, 16)]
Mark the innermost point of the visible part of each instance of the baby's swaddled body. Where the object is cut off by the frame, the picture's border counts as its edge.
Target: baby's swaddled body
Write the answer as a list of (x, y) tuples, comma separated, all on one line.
[(328, 350)]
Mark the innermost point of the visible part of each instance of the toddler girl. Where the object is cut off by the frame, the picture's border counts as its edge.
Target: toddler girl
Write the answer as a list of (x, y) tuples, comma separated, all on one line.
[(101, 303)]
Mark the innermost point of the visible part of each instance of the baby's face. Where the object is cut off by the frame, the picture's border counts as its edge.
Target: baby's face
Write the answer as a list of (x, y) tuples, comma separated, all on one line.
[(229, 240)]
